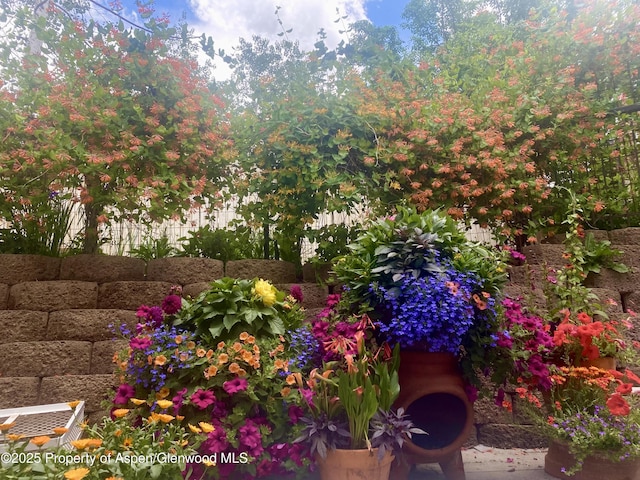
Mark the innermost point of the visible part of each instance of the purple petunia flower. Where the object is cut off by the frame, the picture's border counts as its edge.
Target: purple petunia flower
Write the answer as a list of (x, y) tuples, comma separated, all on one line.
[(296, 292), (123, 394), (140, 343), (171, 304), (236, 385), (202, 398)]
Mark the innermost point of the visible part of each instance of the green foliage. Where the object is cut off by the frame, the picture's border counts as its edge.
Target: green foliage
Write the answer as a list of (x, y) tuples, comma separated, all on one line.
[(154, 248), (232, 306), (332, 241), (408, 242), (222, 244), (39, 227), (599, 254)]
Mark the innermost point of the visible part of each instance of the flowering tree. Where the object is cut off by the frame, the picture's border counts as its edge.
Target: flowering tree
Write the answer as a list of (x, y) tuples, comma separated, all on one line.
[(489, 124), (121, 118)]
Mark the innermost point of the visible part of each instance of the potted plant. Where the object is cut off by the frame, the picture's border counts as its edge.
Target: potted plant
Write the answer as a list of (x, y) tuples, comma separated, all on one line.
[(555, 358), (593, 424), (432, 292), (425, 285), (351, 425)]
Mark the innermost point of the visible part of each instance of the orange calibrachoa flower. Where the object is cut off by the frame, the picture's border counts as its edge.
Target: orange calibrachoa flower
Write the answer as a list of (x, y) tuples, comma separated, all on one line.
[(60, 430), (74, 404), (163, 393), (137, 401)]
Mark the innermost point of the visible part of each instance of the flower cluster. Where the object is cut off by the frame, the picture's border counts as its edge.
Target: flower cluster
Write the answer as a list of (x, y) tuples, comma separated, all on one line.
[(592, 410), (588, 338), (437, 310), (527, 341), (242, 387)]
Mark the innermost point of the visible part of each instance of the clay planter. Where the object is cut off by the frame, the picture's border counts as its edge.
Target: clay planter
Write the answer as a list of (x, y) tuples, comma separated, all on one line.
[(594, 468), (354, 465), (432, 394)]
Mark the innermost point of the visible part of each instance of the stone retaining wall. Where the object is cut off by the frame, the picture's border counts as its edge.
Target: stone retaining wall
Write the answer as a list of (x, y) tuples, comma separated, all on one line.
[(57, 317), (499, 428)]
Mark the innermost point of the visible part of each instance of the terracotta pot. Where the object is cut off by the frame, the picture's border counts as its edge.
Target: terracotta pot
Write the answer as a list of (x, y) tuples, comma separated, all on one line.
[(594, 468), (354, 465), (432, 393)]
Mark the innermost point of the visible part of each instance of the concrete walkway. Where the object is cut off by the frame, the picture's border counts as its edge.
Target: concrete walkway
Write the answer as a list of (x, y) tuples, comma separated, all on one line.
[(488, 463)]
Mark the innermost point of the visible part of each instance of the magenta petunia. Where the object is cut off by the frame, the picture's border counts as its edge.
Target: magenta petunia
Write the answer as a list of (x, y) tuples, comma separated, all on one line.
[(296, 292), (202, 398), (140, 343), (123, 394), (236, 385), (171, 304)]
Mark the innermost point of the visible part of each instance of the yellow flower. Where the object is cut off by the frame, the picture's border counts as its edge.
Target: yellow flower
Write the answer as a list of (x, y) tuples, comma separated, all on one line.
[(194, 429), (74, 404), (86, 443), (39, 441), (120, 412), (76, 473), (127, 442), (137, 401), (60, 430), (165, 403), (14, 437), (209, 463), (265, 291), (206, 427), (6, 426), (163, 417)]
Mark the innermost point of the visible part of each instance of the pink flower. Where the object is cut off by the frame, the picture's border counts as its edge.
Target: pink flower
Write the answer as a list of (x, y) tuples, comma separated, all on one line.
[(171, 304), (249, 436), (295, 412), (140, 343), (202, 398), (236, 385), (177, 400), (296, 292), (123, 394), (216, 441)]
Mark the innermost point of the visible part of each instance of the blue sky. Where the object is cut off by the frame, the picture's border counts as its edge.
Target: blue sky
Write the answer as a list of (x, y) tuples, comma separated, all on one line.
[(228, 20)]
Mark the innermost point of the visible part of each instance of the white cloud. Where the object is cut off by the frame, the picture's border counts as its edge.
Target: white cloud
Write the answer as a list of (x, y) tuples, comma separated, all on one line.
[(226, 21)]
